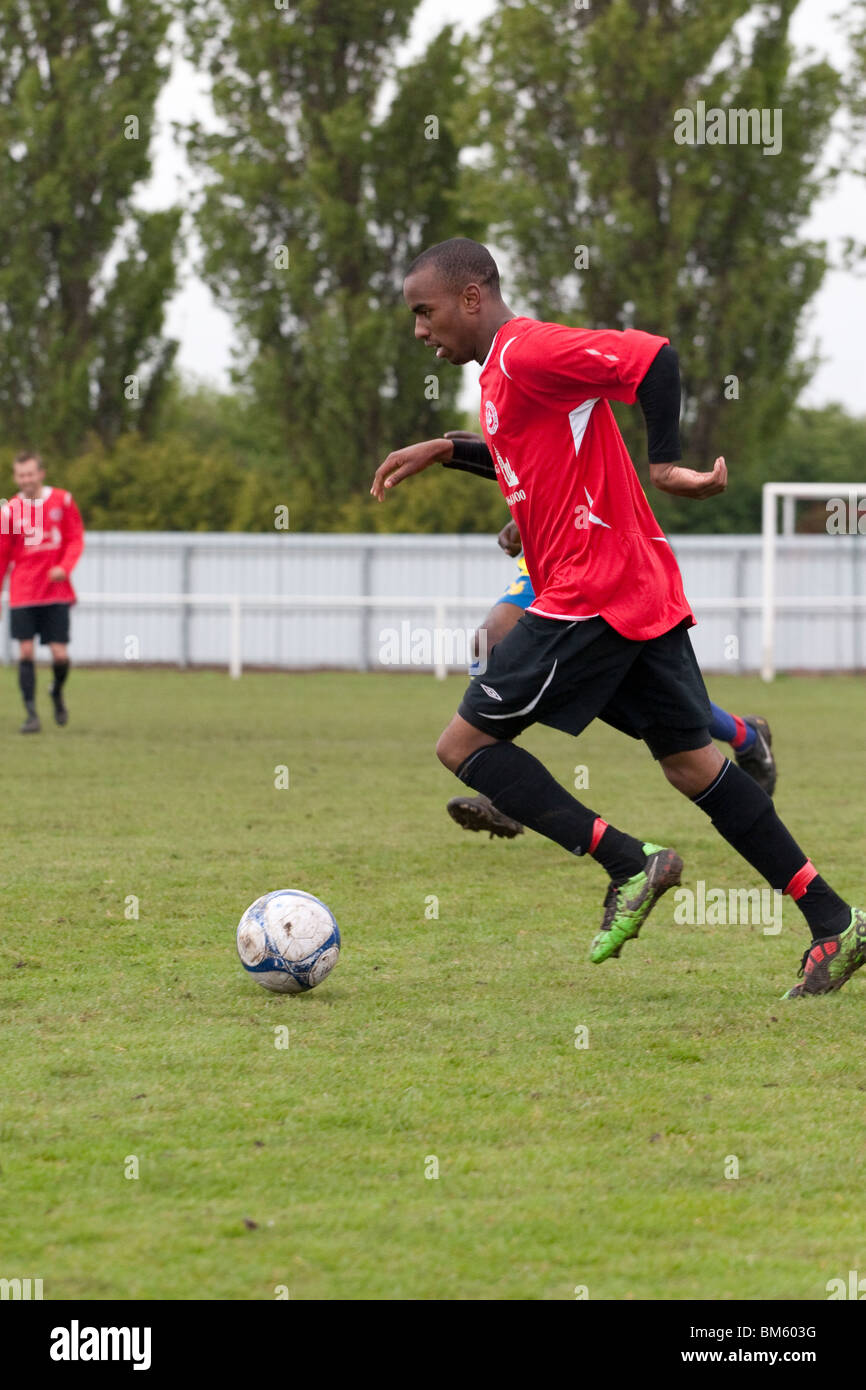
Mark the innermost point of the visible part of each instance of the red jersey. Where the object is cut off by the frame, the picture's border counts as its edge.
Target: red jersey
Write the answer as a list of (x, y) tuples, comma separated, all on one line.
[(591, 542), (34, 537)]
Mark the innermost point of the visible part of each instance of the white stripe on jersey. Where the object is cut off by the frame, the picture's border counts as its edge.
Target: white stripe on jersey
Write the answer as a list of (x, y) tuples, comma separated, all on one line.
[(579, 419)]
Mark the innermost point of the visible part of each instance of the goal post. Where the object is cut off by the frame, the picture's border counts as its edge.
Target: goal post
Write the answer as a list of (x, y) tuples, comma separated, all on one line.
[(854, 493)]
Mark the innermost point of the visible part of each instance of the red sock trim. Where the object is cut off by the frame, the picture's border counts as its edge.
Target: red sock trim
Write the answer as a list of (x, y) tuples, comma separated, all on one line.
[(801, 880), (740, 736), (598, 829)]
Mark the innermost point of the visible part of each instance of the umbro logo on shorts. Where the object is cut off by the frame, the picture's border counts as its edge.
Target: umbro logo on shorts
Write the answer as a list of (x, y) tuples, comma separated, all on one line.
[(488, 690)]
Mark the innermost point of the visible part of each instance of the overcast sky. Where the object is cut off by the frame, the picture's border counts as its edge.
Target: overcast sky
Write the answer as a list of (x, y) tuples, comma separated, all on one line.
[(834, 321)]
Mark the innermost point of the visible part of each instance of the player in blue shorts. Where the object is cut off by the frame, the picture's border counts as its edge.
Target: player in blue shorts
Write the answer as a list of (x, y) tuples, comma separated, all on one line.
[(749, 734)]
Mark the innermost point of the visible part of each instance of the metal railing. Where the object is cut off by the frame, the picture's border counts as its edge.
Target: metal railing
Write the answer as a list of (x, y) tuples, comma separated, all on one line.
[(769, 602), (236, 604)]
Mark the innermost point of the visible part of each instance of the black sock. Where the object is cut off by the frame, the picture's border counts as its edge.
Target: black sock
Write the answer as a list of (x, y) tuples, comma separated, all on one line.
[(745, 816), (61, 671), (521, 787), (823, 909), (622, 855), (27, 681)]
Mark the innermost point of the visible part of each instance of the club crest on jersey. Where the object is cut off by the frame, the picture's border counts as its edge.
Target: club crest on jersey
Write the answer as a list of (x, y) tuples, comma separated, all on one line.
[(491, 419)]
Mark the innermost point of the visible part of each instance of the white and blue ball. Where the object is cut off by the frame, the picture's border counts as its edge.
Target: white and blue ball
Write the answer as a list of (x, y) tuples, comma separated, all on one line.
[(288, 941)]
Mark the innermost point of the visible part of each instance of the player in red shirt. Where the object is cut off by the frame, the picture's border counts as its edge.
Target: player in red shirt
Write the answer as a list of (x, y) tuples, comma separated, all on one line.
[(41, 537), (607, 633), (749, 735)]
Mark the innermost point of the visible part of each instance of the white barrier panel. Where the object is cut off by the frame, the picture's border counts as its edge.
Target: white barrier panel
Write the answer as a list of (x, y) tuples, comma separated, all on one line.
[(301, 602), (850, 495)]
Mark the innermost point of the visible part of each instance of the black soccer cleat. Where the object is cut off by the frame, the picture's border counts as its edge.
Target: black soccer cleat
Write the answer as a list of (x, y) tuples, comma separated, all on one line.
[(479, 813), (832, 960), (61, 713), (759, 761), (31, 724)]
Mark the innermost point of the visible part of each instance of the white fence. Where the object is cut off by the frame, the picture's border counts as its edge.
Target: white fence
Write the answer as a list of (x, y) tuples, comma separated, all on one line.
[(845, 503), (301, 602)]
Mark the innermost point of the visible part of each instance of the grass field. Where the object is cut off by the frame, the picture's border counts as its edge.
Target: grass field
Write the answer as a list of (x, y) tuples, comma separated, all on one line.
[(605, 1166)]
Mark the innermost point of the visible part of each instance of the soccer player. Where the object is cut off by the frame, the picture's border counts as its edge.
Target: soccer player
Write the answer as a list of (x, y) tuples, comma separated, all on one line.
[(749, 735), (607, 633), (41, 537)]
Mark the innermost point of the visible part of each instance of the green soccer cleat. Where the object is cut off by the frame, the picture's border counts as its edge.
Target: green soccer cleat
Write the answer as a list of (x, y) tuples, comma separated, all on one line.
[(831, 961), (627, 905)]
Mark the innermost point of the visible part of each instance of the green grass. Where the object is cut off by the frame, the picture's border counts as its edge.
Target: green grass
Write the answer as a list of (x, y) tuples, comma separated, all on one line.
[(452, 1037)]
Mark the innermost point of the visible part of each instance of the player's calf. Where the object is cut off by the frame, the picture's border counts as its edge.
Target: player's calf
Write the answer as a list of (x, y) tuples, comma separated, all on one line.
[(744, 815), (61, 671), (27, 686)]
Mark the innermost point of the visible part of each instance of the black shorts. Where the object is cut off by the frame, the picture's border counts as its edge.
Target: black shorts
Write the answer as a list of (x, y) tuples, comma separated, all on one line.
[(49, 620), (565, 674)]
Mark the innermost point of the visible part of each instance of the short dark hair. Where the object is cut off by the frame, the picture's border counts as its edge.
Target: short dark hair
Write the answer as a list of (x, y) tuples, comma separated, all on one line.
[(461, 262), (26, 455)]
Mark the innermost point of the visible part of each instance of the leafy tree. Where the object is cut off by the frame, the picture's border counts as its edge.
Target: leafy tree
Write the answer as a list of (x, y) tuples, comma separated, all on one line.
[(319, 192), (827, 445), (577, 148), (84, 275), (167, 484)]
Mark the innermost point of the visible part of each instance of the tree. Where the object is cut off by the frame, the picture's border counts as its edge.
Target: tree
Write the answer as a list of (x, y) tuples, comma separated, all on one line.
[(169, 484), (826, 445), (84, 275), (856, 80), (319, 193), (608, 220)]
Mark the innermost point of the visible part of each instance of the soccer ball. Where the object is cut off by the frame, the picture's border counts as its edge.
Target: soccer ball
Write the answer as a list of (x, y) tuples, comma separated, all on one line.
[(288, 941)]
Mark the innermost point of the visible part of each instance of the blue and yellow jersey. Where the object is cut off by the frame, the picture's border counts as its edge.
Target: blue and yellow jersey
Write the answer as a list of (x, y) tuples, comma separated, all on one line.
[(520, 592)]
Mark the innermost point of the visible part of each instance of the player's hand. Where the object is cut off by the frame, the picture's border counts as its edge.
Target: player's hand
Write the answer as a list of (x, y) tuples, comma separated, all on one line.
[(57, 574), (713, 482), (509, 539), (465, 434), (403, 463), (688, 482)]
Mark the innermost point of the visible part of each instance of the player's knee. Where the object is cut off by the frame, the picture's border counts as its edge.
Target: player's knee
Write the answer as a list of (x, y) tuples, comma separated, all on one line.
[(458, 742), (455, 745), (677, 776), (447, 750), (691, 772)]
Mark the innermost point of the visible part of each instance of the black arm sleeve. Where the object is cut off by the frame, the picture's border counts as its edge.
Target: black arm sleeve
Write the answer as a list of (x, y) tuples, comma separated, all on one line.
[(472, 457), (659, 397)]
